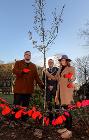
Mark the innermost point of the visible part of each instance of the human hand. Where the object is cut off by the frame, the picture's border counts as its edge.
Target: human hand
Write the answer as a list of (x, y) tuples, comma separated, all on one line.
[(44, 69), (56, 99)]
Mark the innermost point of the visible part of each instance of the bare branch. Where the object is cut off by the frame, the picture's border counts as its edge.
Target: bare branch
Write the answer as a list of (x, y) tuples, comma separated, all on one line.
[(85, 34)]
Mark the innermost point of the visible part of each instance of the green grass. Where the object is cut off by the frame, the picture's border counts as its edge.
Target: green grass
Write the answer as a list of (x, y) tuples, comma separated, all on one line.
[(37, 99), (7, 97)]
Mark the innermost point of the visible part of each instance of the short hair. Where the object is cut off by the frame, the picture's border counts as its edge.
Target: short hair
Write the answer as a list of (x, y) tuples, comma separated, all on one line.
[(27, 52), (51, 60)]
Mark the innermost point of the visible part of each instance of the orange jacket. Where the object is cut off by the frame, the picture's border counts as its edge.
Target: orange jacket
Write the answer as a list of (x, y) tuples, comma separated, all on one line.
[(24, 82)]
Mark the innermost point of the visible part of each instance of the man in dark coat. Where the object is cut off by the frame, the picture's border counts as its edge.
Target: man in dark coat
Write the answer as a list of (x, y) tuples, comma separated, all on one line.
[(26, 74), (51, 85)]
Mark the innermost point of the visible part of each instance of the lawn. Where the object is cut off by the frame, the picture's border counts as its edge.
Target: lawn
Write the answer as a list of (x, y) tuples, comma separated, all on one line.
[(7, 97)]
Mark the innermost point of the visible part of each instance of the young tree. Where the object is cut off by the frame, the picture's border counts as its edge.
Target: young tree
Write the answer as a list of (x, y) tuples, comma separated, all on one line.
[(46, 34)]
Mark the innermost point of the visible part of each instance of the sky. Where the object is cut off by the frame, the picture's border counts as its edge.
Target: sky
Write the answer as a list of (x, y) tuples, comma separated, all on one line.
[(16, 19)]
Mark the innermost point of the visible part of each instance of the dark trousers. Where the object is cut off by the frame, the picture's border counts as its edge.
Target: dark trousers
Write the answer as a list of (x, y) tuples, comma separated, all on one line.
[(68, 122), (22, 99), (49, 96)]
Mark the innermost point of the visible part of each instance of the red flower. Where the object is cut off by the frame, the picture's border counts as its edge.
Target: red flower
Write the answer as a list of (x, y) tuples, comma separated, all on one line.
[(2, 105), (30, 112), (78, 104), (69, 75), (66, 114), (34, 108), (22, 107), (63, 117), (24, 113), (6, 110), (40, 115), (54, 122), (59, 120), (71, 106), (85, 103), (12, 112), (18, 114), (46, 121), (36, 114), (2, 100)]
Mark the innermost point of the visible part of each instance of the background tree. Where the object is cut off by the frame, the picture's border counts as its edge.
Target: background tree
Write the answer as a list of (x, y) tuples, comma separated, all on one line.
[(6, 78), (56, 57), (84, 33), (82, 69)]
